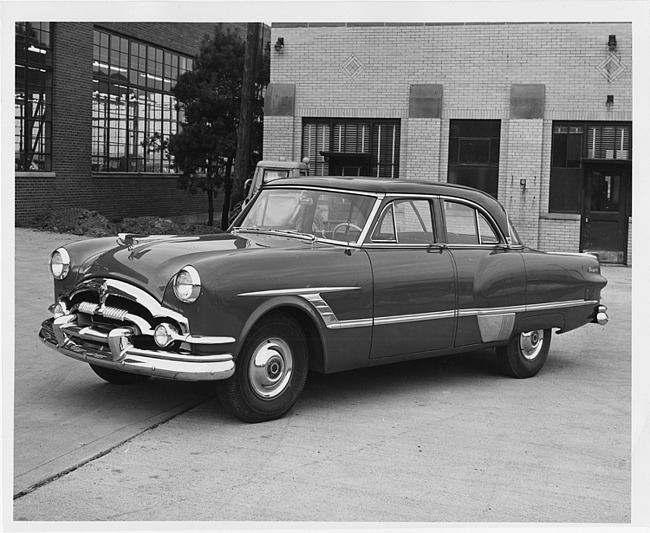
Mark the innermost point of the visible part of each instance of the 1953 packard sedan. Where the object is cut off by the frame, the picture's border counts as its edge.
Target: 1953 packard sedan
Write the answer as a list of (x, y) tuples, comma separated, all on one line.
[(323, 274)]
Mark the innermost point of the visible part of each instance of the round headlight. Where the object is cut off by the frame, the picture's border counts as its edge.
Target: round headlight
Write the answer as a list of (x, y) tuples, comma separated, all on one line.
[(187, 285), (60, 263)]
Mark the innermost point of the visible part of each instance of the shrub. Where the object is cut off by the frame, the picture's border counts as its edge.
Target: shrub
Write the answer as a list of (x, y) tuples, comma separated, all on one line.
[(92, 224), (77, 221)]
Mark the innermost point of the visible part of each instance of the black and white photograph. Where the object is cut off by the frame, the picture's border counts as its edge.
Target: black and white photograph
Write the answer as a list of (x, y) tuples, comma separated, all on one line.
[(313, 265)]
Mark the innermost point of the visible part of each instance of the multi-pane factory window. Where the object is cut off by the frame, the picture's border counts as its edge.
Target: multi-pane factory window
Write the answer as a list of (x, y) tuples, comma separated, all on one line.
[(352, 147), (134, 111), (33, 97)]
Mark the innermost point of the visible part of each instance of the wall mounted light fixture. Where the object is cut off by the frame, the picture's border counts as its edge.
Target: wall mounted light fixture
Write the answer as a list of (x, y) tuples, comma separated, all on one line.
[(611, 43), (279, 45), (610, 101)]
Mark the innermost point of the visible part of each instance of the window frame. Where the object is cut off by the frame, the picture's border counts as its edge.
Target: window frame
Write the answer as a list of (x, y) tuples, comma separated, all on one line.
[(566, 183), (478, 174), (35, 57), (477, 210), (132, 103), (330, 143), (390, 204)]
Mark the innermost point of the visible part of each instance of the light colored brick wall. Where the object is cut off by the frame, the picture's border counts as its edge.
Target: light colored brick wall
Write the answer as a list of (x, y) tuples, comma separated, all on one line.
[(279, 138), (523, 162), (476, 64), (559, 234), (420, 152)]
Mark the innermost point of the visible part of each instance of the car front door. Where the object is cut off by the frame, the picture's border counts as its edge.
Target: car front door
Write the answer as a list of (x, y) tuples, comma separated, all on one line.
[(491, 276), (414, 283)]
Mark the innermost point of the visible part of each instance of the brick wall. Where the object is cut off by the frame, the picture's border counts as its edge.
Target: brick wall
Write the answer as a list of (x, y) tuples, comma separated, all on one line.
[(559, 234), (275, 138), (476, 64), (522, 163), (419, 156), (71, 182)]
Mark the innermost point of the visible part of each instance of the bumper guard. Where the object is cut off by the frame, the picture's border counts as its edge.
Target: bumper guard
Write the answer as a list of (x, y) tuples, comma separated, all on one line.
[(115, 350)]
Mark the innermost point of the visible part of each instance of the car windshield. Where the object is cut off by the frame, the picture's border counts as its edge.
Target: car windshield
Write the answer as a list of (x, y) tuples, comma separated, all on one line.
[(316, 213), (272, 174)]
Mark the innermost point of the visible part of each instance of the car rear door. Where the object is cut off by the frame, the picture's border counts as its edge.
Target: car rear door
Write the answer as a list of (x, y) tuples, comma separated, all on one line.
[(414, 282), (491, 276)]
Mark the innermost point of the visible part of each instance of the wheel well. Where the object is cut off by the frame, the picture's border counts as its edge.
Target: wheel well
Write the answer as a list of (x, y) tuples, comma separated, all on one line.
[(312, 335)]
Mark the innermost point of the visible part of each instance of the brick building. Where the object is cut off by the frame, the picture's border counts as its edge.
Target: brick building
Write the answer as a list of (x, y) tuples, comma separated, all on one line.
[(537, 114), (87, 96)]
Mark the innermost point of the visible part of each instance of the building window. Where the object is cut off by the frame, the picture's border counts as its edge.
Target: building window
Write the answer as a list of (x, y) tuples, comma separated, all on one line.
[(608, 142), (574, 143), (474, 154), (352, 147), (133, 108), (33, 102), (566, 168)]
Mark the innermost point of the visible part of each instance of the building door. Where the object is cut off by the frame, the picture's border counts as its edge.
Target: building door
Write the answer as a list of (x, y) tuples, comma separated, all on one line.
[(605, 211)]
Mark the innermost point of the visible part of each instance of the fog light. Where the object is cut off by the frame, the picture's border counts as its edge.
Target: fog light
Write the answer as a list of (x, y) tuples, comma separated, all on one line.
[(164, 334)]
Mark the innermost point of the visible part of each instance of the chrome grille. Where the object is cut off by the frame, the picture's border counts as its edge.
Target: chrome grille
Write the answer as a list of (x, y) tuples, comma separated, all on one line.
[(112, 313)]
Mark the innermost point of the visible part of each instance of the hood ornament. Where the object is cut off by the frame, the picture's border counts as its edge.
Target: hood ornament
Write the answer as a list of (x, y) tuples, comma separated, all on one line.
[(129, 239)]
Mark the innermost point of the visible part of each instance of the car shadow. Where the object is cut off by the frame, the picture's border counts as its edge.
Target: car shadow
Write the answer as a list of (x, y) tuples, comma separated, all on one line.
[(451, 370)]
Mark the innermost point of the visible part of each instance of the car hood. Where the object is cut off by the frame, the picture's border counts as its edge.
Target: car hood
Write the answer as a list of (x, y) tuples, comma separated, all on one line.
[(151, 262)]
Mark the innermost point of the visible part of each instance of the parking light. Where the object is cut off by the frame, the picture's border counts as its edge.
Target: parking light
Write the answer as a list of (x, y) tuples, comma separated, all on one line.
[(164, 334)]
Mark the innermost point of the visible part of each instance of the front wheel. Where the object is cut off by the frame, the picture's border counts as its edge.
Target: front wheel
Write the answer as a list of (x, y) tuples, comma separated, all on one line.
[(271, 371), (525, 354), (118, 377)]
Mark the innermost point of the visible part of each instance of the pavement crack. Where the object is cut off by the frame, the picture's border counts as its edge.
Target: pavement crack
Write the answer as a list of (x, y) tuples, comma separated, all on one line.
[(99, 455)]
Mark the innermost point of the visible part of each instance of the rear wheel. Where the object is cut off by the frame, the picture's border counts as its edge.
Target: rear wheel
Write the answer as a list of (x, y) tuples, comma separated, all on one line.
[(271, 371), (525, 354), (118, 377)]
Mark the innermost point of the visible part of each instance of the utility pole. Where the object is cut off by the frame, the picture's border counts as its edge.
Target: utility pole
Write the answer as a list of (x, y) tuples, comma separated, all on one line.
[(244, 132)]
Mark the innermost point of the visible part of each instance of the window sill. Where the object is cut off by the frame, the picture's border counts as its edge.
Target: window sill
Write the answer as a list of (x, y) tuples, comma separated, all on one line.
[(156, 175), (20, 174), (560, 216)]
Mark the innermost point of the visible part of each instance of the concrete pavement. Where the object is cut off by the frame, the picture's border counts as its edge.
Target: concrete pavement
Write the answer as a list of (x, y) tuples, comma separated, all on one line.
[(440, 440)]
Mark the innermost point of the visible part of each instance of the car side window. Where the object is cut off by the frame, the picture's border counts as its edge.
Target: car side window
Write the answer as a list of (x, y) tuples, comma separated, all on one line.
[(385, 228), (405, 222), (486, 232), (465, 225)]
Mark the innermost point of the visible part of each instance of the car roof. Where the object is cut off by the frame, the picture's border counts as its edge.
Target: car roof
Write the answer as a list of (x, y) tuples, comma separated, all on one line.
[(402, 186), (270, 163)]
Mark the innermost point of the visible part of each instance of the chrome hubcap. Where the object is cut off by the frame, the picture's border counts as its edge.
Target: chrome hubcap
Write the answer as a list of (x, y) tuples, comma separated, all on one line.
[(270, 368), (531, 343)]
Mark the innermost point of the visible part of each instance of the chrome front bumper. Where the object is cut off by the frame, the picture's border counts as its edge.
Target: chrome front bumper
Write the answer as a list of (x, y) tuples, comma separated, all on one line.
[(115, 350)]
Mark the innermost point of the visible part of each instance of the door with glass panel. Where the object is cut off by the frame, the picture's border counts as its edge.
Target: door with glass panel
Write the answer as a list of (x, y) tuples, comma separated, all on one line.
[(604, 227), (415, 286)]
